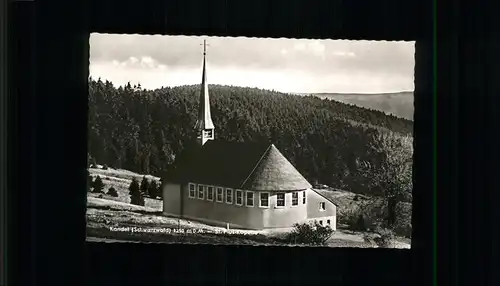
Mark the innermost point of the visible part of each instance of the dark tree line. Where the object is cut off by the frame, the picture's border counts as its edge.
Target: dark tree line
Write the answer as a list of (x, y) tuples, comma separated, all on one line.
[(143, 130), (137, 192), (146, 188)]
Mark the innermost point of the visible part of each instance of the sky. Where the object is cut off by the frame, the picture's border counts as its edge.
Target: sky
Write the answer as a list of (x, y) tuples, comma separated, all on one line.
[(286, 65)]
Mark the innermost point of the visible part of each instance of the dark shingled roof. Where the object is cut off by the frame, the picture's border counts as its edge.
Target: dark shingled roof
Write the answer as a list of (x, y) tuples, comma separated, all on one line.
[(249, 166)]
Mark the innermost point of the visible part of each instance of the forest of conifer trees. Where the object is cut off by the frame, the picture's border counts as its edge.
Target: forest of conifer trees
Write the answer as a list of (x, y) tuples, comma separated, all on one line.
[(143, 130)]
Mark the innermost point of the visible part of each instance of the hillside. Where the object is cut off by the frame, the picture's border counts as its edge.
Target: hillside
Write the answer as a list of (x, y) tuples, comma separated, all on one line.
[(143, 130), (105, 212), (120, 180), (399, 104)]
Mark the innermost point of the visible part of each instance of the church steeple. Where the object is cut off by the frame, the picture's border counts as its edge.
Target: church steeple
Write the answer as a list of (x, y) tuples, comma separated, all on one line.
[(204, 125)]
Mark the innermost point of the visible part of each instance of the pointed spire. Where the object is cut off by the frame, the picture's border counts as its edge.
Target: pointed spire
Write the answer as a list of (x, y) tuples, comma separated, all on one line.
[(204, 121)]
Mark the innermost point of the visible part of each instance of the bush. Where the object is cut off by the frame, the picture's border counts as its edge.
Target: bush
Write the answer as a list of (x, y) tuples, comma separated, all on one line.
[(403, 226), (385, 239), (112, 192), (382, 237), (104, 167), (309, 233), (365, 216), (403, 230)]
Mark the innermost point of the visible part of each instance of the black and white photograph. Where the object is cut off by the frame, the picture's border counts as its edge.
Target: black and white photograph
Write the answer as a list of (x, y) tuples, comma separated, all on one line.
[(250, 141)]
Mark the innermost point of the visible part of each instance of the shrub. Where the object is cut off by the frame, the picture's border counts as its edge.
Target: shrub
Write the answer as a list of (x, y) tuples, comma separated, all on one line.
[(385, 239), (309, 233), (382, 237), (112, 192), (367, 215), (403, 226), (104, 167), (403, 230), (374, 212)]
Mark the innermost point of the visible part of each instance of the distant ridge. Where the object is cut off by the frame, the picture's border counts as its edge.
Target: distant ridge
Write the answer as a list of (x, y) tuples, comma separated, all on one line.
[(350, 93), (399, 104), (357, 93)]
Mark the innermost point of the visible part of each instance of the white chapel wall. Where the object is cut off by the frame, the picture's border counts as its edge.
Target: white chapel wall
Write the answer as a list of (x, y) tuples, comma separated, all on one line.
[(221, 213), (251, 217), (172, 199), (282, 217), (315, 213)]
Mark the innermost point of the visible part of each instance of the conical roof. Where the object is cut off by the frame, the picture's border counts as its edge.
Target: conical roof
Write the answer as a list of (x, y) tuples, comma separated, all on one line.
[(274, 172), (247, 166)]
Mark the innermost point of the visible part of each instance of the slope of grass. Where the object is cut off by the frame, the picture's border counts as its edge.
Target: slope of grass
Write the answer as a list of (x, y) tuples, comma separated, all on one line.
[(120, 180), (346, 202), (104, 217), (105, 213)]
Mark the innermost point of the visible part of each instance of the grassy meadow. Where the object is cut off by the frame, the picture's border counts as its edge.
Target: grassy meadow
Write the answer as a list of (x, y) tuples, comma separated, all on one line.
[(114, 219)]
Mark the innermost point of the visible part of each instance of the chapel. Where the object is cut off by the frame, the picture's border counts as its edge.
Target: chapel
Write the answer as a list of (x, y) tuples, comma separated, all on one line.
[(241, 185)]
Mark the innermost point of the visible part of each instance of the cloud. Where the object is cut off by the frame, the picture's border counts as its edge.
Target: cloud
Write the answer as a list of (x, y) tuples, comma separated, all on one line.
[(317, 48), (344, 54), (306, 48), (241, 52), (145, 62), (299, 46), (133, 60), (317, 59)]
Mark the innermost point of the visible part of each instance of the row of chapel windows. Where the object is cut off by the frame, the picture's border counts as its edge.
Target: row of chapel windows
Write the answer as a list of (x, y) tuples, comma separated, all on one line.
[(203, 192)]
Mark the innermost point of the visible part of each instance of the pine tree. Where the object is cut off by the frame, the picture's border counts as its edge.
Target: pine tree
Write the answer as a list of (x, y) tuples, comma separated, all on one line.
[(144, 186), (131, 135), (136, 197), (153, 189), (98, 185)]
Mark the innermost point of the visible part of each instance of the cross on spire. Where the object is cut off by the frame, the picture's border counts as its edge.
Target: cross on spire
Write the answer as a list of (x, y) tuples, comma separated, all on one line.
[(204, 47)]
